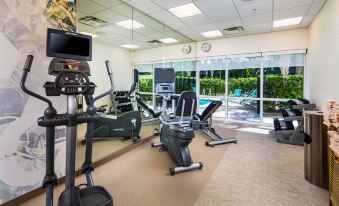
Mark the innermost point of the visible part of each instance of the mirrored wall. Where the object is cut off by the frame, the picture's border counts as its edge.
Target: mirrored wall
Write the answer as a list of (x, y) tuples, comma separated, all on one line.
[(115, 24)]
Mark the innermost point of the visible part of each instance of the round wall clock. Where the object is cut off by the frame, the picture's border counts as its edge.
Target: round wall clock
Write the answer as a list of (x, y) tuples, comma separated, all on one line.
[(186, 49), (206, 47)]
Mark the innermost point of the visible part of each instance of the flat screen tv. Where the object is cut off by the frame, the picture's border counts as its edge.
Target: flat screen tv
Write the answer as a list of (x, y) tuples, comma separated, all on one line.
[(68, 45)]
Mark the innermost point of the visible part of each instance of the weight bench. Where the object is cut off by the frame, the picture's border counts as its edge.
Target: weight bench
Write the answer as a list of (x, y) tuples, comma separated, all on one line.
[(206, 125)]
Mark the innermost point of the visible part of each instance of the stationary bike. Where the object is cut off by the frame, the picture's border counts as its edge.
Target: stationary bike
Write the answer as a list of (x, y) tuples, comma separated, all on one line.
[(176, 132), (71, 69)]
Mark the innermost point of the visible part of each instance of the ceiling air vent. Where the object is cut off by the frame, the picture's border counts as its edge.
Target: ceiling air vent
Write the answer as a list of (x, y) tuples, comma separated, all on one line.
[(154, 41), (92, 21), (233, 30)]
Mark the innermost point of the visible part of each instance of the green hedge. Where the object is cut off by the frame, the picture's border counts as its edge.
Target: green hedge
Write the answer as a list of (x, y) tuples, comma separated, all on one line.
[(276, 86)]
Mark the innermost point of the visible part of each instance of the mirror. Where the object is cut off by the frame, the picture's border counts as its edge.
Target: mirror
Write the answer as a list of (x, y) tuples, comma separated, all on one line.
[(122, 34)]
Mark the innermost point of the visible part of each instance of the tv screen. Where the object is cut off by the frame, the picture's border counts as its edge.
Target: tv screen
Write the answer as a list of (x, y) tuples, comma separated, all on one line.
[(164, 75), (68, 45)]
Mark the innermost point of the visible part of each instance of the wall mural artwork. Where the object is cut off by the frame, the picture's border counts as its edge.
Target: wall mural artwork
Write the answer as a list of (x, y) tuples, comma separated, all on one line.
[(23, 26), (62, 13)]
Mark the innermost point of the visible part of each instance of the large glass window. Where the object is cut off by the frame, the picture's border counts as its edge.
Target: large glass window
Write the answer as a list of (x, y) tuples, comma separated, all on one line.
[(284, 76), (247, 91), (212, 77), (145, 77), (244, 82), (185, 76)]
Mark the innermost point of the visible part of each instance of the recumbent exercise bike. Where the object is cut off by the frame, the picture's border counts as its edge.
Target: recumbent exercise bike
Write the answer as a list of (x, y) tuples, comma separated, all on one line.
[(176, 132)]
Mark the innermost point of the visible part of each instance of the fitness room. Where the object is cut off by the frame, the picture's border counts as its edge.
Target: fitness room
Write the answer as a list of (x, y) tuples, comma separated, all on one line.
[(169, 102)]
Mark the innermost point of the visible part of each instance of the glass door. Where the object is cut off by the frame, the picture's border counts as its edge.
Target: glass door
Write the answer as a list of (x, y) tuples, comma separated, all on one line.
[(243, 88)]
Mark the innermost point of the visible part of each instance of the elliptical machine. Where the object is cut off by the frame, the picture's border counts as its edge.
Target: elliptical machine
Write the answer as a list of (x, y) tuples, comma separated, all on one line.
[(176, 132), (126, 125), (71, 51)]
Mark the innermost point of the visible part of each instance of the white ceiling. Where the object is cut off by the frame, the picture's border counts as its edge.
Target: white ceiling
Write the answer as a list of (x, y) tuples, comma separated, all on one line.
[(113, 11), (255, 16)]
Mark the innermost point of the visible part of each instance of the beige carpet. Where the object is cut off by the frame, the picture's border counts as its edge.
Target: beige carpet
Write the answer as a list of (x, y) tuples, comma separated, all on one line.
[(105, 147), (256, 171)]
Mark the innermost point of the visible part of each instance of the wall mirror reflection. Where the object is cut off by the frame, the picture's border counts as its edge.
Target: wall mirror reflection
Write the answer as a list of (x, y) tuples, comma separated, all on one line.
[(130, 113)]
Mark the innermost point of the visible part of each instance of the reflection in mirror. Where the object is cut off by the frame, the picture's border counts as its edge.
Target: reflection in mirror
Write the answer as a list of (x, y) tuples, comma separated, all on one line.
[(118, 31)]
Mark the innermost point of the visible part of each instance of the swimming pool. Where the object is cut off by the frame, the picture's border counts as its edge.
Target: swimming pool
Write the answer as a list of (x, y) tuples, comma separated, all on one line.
[(204, 101)]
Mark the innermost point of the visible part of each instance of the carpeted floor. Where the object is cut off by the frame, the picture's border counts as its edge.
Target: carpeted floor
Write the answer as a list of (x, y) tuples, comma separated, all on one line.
[(105, 147), (256, 171)]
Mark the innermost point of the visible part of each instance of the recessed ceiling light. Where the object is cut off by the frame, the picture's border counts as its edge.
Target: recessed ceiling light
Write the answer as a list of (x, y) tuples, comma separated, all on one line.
[(130, 24), (185, 10), (212, 33), (130, 46), (89, 34), (287, 22), (168, 40)]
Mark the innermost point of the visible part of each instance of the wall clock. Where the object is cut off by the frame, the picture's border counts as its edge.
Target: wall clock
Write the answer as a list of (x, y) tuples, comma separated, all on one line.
[(186, 49), (206, 47)]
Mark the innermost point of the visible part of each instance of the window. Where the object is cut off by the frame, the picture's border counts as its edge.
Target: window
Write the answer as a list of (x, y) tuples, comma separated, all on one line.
[(212, 77), (284, 76), (145, 77), (257, 85), (283, 80), (244, 82), (185, 76)]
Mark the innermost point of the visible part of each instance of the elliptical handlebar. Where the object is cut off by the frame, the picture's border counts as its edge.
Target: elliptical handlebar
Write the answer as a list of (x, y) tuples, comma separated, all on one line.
[(109, 72), (26, 70)]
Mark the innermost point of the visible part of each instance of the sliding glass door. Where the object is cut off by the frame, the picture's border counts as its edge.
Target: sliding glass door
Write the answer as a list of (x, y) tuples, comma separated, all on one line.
[(243, 86), (212, 82)]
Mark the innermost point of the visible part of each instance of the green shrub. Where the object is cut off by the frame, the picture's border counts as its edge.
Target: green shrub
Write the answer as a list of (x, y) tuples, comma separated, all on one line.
[(275, 86)]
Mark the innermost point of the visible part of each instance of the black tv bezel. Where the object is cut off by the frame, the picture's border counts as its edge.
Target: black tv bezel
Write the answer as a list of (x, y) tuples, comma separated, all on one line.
[(159, 68), (67, 56)]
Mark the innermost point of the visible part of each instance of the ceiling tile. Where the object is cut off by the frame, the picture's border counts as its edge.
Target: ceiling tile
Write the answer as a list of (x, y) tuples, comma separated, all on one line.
[(307, 20), (223, 15), (146, 6), (108, 3), (163, 16), (196, 20), (124, 9), (257, 19), (290, 13), (255, 8), (167, 4), (286, 28), (315, 8), (213, 5), (110, 16), (319, 1), (205, 28), (176, 24), (287, 4), (242, 2), (89, 7), (227, 24), (80, 14), (258, 28), (83, 27)]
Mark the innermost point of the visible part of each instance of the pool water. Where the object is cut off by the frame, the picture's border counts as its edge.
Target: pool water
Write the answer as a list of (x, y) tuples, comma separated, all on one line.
[(204, 101)]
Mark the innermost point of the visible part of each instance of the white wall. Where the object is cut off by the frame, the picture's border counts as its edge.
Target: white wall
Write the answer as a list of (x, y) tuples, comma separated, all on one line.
[(323, 56), (163, 53), (276, 41), (121, 65), (267, 42)]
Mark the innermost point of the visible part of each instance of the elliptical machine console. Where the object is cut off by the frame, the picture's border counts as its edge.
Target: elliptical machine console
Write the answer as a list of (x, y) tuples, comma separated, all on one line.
[(71, 51)]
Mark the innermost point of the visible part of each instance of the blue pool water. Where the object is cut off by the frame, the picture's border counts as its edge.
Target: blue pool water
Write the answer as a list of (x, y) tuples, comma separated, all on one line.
[(204, 101)]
